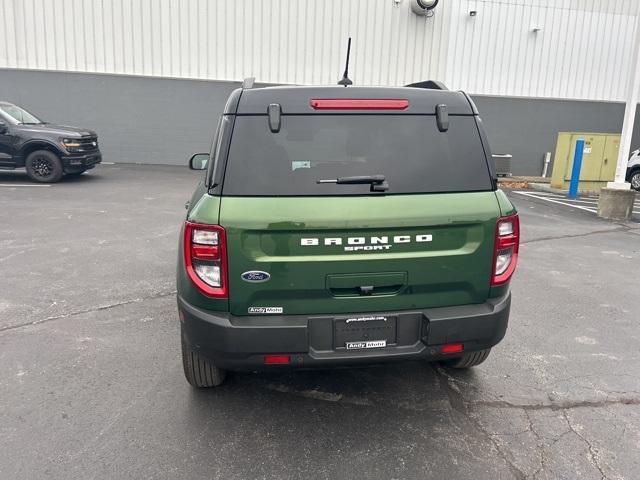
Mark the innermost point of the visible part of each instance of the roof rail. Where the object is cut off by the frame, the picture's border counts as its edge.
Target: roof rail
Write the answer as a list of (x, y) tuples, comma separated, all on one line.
[(430, 84), (248, 82)]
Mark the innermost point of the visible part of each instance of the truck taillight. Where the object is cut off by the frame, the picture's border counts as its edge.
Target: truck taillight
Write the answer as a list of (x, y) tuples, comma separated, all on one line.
[(507, 243), (205, 258)]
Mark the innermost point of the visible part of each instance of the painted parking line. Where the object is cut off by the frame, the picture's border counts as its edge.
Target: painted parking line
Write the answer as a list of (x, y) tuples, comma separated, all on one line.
[(11, 185), (589, 204), (581, 201), (556, 200)]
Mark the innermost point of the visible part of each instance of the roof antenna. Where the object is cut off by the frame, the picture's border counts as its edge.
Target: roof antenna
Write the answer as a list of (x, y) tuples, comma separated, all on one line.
[(345, 77)]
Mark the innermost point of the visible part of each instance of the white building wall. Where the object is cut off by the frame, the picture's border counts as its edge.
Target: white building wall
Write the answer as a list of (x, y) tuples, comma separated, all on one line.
[(581, 51)]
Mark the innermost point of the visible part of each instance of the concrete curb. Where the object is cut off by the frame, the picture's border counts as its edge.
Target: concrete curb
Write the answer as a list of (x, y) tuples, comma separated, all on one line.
[(545, 187)]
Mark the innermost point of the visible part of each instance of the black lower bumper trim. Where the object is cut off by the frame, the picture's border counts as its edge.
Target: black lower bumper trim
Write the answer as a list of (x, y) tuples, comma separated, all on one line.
[(75, 162), (240, 343)]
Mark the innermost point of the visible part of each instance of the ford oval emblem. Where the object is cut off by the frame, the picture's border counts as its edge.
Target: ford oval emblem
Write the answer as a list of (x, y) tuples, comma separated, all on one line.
[(255, 276)]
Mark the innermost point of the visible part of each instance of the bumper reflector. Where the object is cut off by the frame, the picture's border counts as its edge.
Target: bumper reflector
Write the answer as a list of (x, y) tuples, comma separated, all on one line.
[(277, 359), (452, 348)]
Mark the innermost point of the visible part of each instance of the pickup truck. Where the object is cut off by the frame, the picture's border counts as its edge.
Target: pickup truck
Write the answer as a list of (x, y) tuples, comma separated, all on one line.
[(45, 150)]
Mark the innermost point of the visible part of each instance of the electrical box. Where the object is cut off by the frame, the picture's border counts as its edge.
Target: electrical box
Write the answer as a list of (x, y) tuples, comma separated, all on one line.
[(598, 160), (502, 162)]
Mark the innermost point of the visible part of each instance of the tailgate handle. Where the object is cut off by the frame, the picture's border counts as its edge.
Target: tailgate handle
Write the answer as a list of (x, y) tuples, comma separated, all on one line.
[(371, 284)]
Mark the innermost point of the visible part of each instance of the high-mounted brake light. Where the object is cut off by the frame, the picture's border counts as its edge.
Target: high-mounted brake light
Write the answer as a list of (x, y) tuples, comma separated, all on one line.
[(359, 104), (507, 244), (205, 258)]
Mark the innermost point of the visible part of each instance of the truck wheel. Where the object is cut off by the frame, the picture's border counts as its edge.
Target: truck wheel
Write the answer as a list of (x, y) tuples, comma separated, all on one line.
[(43, 166), (468, 360), (199, 371)]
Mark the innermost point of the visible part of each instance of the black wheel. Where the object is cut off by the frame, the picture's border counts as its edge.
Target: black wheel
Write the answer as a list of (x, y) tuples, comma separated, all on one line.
[(468, 360), (44, 166), (200, 372), (634, 179), (75, 173)]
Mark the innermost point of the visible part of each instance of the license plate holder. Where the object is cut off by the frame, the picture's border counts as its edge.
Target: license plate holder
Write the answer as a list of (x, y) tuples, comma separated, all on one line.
[(364, 332)]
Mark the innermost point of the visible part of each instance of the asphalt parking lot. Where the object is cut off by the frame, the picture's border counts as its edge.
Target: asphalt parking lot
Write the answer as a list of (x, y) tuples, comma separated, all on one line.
[(92, 386)]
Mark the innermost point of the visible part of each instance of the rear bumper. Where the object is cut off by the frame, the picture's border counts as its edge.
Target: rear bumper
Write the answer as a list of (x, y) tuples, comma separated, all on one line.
[(81, 162), (240, 343)]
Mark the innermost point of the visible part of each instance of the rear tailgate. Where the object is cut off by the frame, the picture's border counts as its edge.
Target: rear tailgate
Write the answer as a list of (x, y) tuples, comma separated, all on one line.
[(326, 247), (329, 255)]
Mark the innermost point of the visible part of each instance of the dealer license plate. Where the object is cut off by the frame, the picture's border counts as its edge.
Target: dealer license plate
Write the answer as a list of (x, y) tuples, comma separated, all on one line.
[(367, 331)]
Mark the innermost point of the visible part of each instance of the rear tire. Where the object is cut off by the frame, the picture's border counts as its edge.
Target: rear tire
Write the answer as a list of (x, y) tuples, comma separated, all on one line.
[(468, 360), (43, 166), (200, 372)]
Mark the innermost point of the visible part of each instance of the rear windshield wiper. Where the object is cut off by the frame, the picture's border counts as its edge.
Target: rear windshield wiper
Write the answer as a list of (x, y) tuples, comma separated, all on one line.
[(378, 182)]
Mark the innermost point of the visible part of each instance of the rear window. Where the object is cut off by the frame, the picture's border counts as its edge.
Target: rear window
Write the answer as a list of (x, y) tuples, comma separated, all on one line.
[(409, 150)]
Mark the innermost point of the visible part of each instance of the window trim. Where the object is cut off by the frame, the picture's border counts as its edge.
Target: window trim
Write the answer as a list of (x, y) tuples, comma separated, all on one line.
[(212, 155), (215, 175)]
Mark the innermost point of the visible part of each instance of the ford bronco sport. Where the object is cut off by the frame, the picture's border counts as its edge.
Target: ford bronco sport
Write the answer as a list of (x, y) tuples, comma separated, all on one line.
[(342, 226)]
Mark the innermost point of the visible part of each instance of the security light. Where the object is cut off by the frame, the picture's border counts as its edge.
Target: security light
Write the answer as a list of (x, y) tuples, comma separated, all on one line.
[(423, 7)]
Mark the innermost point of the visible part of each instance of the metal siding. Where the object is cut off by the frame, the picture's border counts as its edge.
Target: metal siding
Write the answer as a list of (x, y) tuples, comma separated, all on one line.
[(582, 50)]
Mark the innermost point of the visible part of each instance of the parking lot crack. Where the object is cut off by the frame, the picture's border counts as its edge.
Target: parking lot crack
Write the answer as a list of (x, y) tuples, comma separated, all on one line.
[(539, 445), (593, 453), (559, 406), (87, 310), (577, 235), (461, 406), (458, 405)]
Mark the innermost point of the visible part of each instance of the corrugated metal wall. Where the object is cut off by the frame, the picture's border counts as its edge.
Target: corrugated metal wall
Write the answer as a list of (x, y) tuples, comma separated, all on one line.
[(581, 51)]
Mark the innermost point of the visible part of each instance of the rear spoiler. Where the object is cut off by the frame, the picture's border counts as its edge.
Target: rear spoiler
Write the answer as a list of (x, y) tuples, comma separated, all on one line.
[(429, 84)]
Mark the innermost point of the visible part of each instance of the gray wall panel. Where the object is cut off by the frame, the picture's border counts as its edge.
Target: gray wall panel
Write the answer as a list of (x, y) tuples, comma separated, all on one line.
[(528, 127), (164, 121), (138, 119)]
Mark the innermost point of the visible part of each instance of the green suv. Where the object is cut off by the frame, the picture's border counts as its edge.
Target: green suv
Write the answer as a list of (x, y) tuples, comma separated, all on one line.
[(342, 226)]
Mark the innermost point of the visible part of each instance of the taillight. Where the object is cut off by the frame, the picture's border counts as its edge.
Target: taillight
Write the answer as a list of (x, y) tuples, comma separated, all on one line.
[(205, 258), (505, 255)]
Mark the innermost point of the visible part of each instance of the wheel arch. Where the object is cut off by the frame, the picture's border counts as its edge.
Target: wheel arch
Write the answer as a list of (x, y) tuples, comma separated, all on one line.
[(631, 170), (33, 145)]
